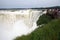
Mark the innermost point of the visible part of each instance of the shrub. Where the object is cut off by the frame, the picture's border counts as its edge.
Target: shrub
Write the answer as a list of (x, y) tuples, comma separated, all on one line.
[(44, 19), (50, 31)]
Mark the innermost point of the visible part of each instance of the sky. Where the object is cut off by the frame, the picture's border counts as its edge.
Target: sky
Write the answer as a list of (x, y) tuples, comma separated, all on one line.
[(28, 3)]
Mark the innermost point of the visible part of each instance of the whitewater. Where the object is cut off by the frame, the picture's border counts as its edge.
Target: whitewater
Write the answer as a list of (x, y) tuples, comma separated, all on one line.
[(18, 23)]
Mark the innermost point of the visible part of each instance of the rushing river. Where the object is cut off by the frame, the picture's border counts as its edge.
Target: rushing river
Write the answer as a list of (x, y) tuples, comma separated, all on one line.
[(17, 23)]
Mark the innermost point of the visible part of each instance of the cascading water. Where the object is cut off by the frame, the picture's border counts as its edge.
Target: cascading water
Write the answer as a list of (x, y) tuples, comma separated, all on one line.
[(17, 23)]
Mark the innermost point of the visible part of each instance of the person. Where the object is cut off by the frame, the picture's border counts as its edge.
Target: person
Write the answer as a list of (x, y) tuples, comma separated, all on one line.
[(55, 13), (58, 13), (50, 13), (47, 13)]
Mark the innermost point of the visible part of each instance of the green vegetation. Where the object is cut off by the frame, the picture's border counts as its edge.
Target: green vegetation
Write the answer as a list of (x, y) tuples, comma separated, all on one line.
[(49, 31), (44, 19)]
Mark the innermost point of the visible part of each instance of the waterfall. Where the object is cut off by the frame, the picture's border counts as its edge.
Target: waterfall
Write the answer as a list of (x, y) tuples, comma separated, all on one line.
[(17, 23)]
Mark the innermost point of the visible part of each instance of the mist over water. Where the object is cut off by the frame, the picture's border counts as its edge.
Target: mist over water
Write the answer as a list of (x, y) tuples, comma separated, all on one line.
[(17, 23)]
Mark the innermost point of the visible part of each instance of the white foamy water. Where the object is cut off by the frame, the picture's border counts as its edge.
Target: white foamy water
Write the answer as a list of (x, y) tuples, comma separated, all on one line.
[(17, 23)]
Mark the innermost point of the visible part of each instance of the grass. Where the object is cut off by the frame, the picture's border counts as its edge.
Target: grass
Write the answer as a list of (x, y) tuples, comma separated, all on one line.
[(50, 31)]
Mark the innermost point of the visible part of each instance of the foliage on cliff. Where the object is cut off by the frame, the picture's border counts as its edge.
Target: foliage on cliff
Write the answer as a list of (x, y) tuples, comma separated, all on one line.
[(44, 19), (50, 31)]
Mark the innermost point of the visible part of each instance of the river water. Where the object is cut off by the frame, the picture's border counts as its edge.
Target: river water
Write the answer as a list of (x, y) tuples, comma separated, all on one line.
[(17, 23)]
